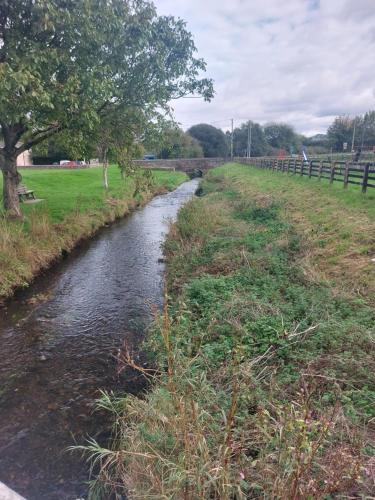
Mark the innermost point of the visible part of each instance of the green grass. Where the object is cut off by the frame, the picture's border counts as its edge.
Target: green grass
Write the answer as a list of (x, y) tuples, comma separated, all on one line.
[(337, 225), (267, 180), (68, 190), (74, 206), (264, 383)]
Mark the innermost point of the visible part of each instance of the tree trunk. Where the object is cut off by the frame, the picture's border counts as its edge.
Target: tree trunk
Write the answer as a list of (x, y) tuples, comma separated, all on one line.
[(11, 179), (105, 170)]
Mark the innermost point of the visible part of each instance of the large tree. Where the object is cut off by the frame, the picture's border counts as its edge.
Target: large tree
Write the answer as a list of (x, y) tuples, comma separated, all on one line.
[(65, 63), (242, 137), (282, 136), (175, 143), (212, 140), (340, 131)]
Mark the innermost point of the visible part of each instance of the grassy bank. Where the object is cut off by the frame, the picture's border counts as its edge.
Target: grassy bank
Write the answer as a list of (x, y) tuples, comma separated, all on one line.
[(74, 206), (264, 382)]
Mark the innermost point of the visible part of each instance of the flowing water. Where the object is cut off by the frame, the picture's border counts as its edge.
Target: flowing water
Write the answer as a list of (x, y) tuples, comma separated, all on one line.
[(58, 346)]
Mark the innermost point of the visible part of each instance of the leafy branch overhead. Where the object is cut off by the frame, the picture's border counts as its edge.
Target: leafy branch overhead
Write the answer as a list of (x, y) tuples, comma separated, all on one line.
[(66, 63)]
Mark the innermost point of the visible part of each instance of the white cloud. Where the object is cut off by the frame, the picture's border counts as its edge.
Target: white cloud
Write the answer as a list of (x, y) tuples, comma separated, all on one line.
[(297, 61)]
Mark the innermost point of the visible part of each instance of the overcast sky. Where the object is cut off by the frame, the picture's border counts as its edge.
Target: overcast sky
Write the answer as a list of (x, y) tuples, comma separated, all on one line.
[(298, 61)]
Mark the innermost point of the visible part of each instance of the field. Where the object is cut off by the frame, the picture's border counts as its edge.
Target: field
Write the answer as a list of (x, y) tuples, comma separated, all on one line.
[(263, 380), (74, 206)]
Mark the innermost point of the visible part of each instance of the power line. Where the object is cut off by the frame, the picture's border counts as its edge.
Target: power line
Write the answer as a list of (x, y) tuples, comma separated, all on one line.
[(246, 119)]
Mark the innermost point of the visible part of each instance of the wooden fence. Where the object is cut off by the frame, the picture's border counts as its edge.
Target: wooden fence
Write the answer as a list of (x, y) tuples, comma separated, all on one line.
[(360, 174)]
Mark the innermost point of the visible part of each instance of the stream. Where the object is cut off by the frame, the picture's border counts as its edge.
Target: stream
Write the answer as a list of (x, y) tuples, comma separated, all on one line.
[(59, 341)]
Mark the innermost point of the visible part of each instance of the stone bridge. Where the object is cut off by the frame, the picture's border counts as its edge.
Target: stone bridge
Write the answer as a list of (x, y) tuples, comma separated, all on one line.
[(189, 166)]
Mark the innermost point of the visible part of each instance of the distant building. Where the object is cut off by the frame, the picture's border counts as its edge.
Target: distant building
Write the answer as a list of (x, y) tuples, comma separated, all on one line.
[(24, 159)]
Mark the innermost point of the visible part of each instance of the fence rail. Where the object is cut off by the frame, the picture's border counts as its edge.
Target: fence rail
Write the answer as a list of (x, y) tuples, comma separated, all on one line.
[(360, 174)]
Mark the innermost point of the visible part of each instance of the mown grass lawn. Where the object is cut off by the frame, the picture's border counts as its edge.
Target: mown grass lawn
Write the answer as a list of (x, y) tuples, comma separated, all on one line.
[(265, 374), (68, 190), (74, 206)]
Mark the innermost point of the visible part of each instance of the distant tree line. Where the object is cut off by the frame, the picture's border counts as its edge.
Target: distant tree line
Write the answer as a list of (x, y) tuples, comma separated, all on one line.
[(260, 140), (205, 140), (358, 131), (342, 135)]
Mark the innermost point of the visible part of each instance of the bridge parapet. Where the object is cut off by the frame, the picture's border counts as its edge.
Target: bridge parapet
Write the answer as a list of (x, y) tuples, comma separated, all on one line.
[(183, 164)]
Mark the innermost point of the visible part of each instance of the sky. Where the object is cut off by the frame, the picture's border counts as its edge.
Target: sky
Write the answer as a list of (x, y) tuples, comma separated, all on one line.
[(302, 62)]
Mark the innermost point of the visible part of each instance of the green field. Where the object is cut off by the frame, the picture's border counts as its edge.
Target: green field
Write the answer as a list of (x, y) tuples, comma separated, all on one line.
[(264, 357), (74, 206), (351, 197), (67, 190)]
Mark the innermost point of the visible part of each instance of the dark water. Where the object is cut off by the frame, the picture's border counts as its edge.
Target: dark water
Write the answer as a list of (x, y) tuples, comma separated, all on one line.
[(58, 346)]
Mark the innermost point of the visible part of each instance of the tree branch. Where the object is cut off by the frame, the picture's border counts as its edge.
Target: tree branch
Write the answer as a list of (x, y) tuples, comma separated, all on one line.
[(39, 137)]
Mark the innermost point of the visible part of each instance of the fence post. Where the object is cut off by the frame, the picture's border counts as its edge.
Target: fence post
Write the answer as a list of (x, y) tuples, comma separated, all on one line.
[(332, 176), (302, 167), (310, 168), (346, 175), (365, 177), (295, 166), (288, 166), (320, 170)]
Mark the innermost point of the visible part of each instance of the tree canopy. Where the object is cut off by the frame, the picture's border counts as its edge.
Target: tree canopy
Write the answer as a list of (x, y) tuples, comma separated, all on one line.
[(64, 64), (175, 143), (282, 136), (212, 140), (258, 145), (342, 130)]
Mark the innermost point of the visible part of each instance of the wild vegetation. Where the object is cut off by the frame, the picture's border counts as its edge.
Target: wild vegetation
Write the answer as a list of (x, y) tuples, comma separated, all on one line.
[(74, 206), (263, 359)]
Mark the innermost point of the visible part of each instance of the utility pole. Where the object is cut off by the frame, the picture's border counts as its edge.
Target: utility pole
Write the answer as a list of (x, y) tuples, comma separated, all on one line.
[(363, 131), (231, 142), (249, 127)]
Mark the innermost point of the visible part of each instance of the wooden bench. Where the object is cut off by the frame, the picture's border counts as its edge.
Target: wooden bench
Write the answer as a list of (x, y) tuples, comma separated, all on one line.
[(24, 193)]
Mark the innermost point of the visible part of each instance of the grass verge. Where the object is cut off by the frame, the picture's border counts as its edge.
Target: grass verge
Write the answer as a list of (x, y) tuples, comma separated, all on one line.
[(74, 206), (264, 382)]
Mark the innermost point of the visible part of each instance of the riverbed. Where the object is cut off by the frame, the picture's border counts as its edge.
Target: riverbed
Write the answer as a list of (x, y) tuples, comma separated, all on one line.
[(60, 341)]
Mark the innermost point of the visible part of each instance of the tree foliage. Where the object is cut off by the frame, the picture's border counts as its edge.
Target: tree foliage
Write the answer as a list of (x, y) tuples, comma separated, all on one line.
[(212, 139), (175, 143), (282, 136), (258, 145), (64, 64), (342, 130)]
